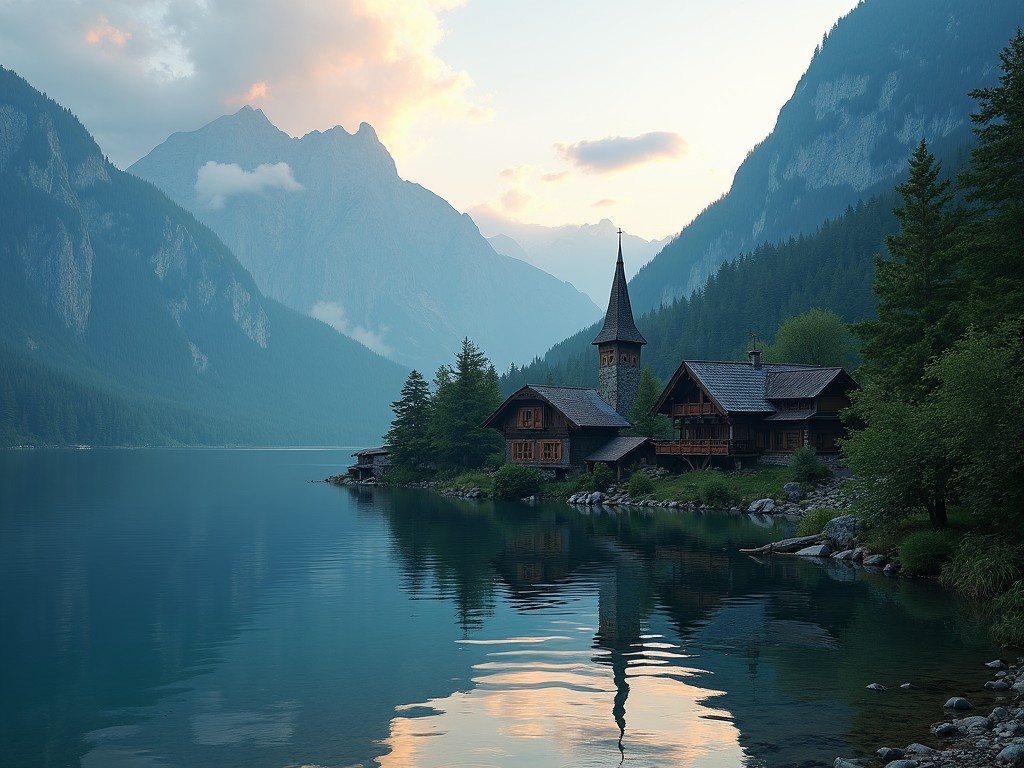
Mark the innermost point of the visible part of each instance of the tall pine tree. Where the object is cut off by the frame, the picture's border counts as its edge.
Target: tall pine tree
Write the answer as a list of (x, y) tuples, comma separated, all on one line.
[(408, 440)]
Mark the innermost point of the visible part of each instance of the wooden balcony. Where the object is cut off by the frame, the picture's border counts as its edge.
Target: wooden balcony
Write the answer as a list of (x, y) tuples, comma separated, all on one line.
[(693, 409), (703, 447)]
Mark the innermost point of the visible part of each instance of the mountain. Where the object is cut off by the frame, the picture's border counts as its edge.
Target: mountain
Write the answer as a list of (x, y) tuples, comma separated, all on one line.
[(889, 73), (325, 225), (574, 253), (125, 321)]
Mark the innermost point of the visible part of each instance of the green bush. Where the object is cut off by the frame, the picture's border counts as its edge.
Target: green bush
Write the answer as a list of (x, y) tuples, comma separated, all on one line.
[(601, 477), (640, 485), (923, 553), (1008, 609), (515, 481), (716, 492), (983, 566), (807, 467), (814, 521)]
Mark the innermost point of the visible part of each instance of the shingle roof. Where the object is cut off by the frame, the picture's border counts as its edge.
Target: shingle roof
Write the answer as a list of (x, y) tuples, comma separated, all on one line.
[(740, 386), (617, 448), (583, 407), (618, 320), (800, 415), (782, 385)]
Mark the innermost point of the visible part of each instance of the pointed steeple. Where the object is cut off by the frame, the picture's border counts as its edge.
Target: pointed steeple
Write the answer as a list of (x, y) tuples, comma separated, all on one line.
[(618, 320)]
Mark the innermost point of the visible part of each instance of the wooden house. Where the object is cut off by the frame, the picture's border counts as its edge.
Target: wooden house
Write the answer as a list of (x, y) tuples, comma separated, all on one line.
[(371, 464), (730, 411), (555, 428)]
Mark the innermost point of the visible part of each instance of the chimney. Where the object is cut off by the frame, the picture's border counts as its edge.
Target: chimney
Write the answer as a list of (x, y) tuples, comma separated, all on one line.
[(755, 359)]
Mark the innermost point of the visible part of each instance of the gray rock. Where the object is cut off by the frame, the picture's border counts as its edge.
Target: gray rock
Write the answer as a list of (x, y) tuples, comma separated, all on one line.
[(996, 664), (596, 497), (818, 550), (902, 764), (919, 749), (944, 729), (1013, 754), (876, 687), (1014, 729), (877, 560), (842, 762), (976, 723), (887, 754), (997, 685), (846, 554), (906, 686), (958, 702), (762, 507), (793, 491), (842, 531)]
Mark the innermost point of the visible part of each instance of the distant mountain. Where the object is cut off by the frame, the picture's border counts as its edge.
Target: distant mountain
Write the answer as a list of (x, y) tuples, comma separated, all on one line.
[(326, 226), (578, 254), (124, 320), (889, 73)]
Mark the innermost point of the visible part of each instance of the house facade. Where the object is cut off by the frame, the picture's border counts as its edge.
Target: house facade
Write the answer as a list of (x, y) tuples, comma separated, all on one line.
[(728, 412)]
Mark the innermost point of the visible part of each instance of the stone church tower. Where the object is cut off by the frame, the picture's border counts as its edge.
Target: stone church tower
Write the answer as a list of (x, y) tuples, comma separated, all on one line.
[(618, 347)]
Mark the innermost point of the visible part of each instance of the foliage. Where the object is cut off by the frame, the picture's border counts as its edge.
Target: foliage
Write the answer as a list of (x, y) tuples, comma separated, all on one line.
[(923, 553), (814, 521), (916, 286), (983, 566), (646, 424), (516, 481), (1008, 613), (408, 440), (815, 337), (640, 485), (599, 478), (465, 395), (807, 467), (466, 481), (716, 492)]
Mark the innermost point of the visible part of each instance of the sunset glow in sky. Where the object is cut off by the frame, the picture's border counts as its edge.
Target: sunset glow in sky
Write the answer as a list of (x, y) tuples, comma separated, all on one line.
[(553, 112)]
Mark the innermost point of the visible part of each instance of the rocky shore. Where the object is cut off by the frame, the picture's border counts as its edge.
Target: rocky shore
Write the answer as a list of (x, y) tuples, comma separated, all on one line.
[(967, 740)]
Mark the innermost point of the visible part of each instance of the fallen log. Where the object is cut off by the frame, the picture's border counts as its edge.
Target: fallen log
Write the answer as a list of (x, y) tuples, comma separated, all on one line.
[(786, 546)]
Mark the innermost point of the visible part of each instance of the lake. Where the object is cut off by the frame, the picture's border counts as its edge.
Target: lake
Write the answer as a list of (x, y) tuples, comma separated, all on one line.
[(201, 608)]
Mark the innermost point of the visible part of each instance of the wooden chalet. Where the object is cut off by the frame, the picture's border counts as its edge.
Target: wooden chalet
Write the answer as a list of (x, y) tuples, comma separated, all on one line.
[(555, 428), (731, 411), (371, 464)]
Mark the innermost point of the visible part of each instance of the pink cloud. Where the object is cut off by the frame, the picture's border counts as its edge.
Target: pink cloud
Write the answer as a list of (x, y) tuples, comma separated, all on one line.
[(616, 153), (104, 30)]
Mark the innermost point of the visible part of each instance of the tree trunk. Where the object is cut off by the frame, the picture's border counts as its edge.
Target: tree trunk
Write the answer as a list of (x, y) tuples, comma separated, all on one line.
[(937, 512)]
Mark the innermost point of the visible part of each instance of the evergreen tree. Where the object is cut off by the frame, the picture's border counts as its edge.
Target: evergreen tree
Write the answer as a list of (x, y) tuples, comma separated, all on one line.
[(408, 440), (916, 286), (995, 184), (646, 424), (466, 395)]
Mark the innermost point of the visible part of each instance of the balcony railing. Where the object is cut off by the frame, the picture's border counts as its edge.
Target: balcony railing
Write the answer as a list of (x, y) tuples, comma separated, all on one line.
[(702, 447), (693, 409)]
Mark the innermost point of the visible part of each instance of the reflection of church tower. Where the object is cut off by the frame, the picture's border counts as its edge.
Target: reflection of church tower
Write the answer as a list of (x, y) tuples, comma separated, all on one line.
[(618, 347)]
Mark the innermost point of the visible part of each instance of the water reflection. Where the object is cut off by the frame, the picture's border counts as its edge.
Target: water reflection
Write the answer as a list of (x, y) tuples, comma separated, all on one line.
[(215, 609)]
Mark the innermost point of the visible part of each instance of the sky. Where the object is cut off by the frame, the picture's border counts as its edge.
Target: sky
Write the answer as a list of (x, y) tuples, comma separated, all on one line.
[(548, 112)]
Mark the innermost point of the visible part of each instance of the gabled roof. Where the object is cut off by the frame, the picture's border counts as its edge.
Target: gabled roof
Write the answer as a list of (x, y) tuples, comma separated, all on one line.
[(783, 385), (581, 407), (372, 451), (739, 387), (617, 448), (618, 320)]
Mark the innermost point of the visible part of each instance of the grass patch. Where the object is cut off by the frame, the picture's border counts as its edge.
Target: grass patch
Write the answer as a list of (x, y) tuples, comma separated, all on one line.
[(1008, 609), (469, 480), (814, 521), (983, 566), (744, 486), (924, 553)]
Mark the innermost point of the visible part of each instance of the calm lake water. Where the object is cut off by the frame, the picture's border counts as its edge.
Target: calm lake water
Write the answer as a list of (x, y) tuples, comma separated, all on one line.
[(201, 608)]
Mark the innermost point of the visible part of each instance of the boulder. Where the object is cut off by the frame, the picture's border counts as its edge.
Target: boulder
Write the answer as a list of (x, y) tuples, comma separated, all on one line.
[(958, 703), (762, 506), (1013, 754), (996, 664), (919, 749), (944, 729), (877, 687), (842, 531), (902, 764), (793, 491), (888, 754), (818, 550), (997, 685), (876, 560), (975, 723)]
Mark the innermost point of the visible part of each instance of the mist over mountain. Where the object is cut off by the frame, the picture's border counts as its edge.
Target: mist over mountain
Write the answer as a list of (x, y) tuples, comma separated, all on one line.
[(888, 74), (578, 254), (325, 225), (125, 321)]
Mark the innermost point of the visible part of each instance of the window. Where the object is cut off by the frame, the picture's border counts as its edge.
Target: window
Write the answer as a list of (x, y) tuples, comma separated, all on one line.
[(530, 417), (551, 450), (522, 450)]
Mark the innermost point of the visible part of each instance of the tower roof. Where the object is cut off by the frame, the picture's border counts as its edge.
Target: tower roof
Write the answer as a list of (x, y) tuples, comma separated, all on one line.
[(618, 320)]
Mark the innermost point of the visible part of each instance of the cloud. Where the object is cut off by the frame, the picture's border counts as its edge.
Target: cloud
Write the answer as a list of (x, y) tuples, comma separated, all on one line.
[(552, 178), (215, 182), (606, 202), (135, 71), (515, 200), (333, 313), (617, 153)]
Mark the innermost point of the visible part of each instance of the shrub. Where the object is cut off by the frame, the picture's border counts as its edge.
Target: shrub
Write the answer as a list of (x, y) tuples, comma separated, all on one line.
[(814, 521), (807, 467), (515, 481), (983, 566), (716, 492), (601, 477), (1008, 609), (923, 553), (640, 485)]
